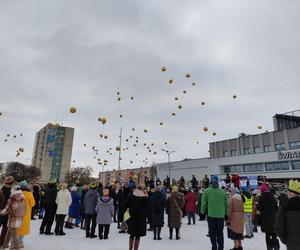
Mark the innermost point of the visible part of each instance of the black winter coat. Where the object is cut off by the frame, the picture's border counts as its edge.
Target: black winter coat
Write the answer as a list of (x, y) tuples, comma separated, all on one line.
[(50, 197), (267, 205), (158, 204), (137, 225), (288, 224), (122, 196), (6, 193)]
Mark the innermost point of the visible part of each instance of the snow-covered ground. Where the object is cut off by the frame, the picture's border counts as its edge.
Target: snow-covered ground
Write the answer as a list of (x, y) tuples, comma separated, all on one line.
[(193, 237)]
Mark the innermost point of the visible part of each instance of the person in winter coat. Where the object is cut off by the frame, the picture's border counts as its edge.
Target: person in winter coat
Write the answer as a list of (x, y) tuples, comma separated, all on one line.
[(30, 203), (248, 211), (267, 206), (214, 203), (235, 224), (158, 204), (63, 201), (205, 182), (194, 182), (199, 202), (90, 202), (50, 208), (15, 208), (191, 206), (105, 212), (36, 195), (136, 204), (123, 195), (9, 181), (175, 204), (74, 209), (84, 191), (288, 219)]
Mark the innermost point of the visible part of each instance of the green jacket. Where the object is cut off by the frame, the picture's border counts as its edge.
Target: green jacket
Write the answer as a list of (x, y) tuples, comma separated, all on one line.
[(214, 202)]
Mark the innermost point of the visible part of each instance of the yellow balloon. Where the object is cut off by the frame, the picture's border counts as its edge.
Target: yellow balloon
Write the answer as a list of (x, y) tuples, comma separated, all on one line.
[(21, 149), (163, 69), (118, 148), (145, 130), (99, 119), (173, 114), (187, 75), (205, 129), (103, 120), (259, 127), (170, 81), (73, 110)]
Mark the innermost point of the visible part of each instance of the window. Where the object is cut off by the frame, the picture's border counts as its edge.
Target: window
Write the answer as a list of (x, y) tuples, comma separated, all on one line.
[(247, 151), (254, 167), (277, 166), (233, 169), (267, 148), (233, 152), (257, 150), (295, 145), (296, 164), (225, 153), (280, 146)]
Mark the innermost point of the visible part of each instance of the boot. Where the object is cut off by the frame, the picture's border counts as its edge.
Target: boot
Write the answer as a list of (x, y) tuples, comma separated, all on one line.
[(177, 234), (158, 233), (171, 232), (276, 245), (68, 225), (154, 232)]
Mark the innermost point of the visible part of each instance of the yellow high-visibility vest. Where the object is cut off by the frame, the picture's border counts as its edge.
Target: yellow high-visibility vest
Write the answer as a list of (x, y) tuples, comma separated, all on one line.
[(248, 205)]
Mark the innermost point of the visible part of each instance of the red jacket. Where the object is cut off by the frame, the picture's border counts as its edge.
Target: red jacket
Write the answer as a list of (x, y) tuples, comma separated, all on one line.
[(190, 202)]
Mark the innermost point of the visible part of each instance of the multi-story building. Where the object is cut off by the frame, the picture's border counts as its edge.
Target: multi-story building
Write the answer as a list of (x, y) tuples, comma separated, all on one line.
[(53, 151), (275, 154)]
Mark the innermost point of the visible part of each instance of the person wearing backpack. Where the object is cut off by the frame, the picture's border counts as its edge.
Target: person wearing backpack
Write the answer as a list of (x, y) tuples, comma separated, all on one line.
[(30, 203), (15, 209)]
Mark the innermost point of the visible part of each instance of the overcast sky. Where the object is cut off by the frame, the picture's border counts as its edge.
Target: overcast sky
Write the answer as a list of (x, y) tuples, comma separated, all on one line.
[(57, 54)]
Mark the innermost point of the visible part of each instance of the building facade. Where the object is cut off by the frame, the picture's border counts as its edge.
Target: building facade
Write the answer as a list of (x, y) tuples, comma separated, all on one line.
[(275, 155), (53, 151)]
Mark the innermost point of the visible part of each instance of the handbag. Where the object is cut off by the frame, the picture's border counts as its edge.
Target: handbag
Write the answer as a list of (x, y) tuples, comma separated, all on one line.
[(127, 215), (177, 207)]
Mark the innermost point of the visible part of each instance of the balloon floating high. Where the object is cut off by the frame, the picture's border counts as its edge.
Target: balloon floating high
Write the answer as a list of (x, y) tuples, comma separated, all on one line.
[(179, 106), (187, 75), (161, 123), (234, 96), (73, 110), (205, 129), (21, 150), (173, 114), (163, 69), (176, 98), (193, 84), (132, 98), (214, 133), (170, 81), (145, 130), (184, 91), (118, 148), (103, 120), (259, 127), (202, 103)]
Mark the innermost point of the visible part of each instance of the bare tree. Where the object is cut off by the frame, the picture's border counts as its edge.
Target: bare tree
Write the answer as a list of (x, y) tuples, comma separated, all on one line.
[(21, 172), (79, 175)]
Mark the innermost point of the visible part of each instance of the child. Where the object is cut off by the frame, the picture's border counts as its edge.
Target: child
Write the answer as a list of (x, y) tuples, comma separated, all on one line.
[(105, 212), (16, 209)]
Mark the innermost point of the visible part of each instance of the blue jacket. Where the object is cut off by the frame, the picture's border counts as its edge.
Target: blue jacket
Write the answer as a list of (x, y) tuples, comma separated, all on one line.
[(74, 209)]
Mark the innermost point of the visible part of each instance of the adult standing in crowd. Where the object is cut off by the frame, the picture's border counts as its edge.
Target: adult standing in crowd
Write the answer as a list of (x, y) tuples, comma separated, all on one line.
[(137, 225), (235, 224), (63, 201), (248, 210), (50, 208), (85, 189), (175, 204), (30, 203), (123, 195), (37, 197), (214, 203), (158, 204), (288, 219), (105, 212), (205, 182), (191, 206), (74, 209), (267, 205), (90, 202), (6, 189)]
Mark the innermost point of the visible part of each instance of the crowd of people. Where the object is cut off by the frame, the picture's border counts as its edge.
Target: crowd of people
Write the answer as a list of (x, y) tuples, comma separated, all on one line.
[(134, 206)]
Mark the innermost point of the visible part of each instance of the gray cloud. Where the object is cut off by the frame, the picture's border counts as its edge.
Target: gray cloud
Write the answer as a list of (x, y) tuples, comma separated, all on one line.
[(57, 54)]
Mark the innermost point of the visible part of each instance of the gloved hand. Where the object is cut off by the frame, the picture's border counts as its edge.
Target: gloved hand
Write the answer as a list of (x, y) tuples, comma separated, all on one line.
[(202, 217)]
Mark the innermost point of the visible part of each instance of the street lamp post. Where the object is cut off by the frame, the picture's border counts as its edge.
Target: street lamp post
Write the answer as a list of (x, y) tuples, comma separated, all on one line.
[(169, 163)]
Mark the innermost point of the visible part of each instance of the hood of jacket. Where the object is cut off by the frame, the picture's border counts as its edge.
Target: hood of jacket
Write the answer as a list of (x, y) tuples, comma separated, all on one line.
[(17, 195), (105, 200)]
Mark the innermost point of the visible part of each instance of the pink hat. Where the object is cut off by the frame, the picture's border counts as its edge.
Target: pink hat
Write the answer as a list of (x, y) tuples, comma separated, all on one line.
[(264, 188)]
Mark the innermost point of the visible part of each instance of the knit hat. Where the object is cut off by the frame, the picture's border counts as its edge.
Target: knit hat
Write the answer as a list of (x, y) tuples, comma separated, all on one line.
[(294, 187), (174, 189), (264, 188), (93, 185), (74, 189), (23, 184), (9, 180), (214, 179), (53, 181)]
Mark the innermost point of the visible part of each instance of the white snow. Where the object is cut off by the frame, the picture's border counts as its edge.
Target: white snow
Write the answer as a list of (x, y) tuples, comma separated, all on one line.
[(193, 237)]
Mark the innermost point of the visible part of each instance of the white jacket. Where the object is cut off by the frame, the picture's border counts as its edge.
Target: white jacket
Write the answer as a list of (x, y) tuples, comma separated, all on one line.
[(63, 201)]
